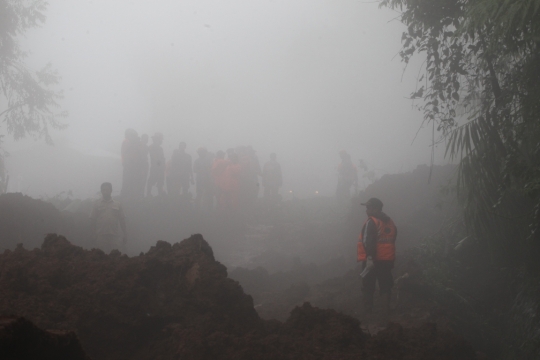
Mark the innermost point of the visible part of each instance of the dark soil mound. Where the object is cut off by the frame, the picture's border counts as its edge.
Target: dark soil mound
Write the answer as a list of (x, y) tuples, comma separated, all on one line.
[(312, 333), (20, 340), (418, 201), (176, 302), (118, 304), (25, 220), (421, 343)]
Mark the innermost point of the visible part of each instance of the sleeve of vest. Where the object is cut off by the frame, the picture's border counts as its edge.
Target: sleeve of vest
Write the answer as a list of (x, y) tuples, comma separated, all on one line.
[(371, 239)]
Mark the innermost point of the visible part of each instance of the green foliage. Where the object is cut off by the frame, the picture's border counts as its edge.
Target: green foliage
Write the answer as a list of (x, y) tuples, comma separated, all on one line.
[(459, 288), (28, 105), (480, 86)]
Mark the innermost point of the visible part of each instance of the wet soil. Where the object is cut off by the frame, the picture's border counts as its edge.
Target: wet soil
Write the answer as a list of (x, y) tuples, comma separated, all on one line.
[(293, 291), (20, 339), (176, 302)]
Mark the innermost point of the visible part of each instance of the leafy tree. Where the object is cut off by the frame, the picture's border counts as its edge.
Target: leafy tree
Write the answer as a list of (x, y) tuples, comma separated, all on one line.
[(479, 87), (28, 105)]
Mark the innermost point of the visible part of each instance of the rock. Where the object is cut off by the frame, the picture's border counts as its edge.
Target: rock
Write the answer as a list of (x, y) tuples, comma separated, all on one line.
[(21, 339)]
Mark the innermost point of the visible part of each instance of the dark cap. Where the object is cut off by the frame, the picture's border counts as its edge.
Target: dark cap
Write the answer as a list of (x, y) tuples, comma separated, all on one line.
[(373, 202)]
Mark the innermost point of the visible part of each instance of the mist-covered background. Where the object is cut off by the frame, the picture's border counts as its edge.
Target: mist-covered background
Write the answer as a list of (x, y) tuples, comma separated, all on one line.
[(304, 79)]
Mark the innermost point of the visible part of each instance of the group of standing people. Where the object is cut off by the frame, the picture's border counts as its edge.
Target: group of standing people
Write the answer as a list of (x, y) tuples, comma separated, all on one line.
[(227, 180)]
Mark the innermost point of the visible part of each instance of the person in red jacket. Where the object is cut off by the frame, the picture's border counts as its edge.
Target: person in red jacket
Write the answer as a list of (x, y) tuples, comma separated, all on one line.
[(377, 249)]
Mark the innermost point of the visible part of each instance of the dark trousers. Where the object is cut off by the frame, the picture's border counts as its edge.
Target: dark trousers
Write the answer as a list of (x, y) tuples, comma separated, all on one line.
[(381, 272)]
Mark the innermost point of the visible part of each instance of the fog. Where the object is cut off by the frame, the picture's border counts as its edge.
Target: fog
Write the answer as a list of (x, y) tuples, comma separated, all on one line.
[(303, 79)]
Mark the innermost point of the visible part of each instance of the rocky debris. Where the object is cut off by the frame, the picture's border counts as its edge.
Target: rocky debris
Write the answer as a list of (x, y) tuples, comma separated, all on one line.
[(118, 304), (276, 294), (312, 333), (176, 302), (418, 201), (20, 339), (25, 220), (421, 343)]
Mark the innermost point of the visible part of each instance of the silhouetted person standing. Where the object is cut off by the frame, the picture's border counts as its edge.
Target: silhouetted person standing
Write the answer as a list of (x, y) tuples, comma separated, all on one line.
[(347, 176), (272, 179), (254, 171), (180, 172), (130, 163), (157, 165), (144, 166), (245, 179), (107, 216), (219, 168), (202, 167), (230, 195)]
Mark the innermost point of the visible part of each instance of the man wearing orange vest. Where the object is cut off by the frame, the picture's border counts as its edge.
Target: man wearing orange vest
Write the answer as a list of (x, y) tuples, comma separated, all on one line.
[(377, 249)]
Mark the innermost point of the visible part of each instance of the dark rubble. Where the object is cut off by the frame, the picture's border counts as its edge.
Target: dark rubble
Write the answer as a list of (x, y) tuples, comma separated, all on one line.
[(176, 302), (20, 339)]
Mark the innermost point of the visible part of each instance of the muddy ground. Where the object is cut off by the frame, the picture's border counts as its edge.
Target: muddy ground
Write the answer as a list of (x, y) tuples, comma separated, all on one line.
[(177, 300), (21, 339)]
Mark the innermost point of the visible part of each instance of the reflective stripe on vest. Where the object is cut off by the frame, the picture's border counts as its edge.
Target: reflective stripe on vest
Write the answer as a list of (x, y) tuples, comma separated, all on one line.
[(386, 240)]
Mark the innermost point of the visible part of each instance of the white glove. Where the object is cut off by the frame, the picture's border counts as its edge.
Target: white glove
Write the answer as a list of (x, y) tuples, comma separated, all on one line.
[(369, 262), (369, 266)]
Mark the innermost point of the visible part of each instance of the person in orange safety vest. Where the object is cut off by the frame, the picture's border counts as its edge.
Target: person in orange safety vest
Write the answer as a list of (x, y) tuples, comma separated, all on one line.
[(377, 249)]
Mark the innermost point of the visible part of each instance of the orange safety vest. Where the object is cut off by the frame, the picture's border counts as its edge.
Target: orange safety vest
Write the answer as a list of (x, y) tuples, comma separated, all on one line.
[(386, 240)]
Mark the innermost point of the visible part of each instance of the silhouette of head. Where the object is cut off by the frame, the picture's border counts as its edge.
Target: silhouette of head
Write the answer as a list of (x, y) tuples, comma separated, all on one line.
[(106, 190)]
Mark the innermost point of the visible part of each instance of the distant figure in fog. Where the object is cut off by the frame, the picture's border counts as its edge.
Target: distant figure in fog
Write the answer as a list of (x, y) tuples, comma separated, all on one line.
[(143, 165), (130, 163), (246, 180), (157, 165), (179, 172), (219, 168), (347, 176), (230, 195), (254, 171), (202, 167), (107, 216), (272, 179)]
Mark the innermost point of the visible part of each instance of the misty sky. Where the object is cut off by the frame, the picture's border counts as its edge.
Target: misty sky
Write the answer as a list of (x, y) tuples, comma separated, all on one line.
[(302, 78)]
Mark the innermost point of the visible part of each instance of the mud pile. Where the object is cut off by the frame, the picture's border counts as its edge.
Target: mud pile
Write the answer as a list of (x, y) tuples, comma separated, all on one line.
[(176, 301), (20, 339), (419, 201), (25, 220), (118, 304)]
